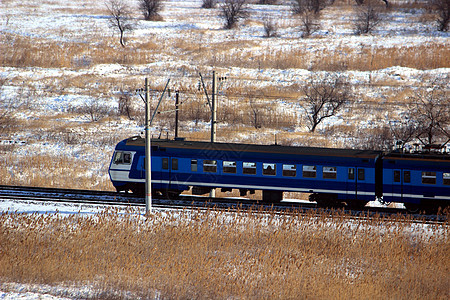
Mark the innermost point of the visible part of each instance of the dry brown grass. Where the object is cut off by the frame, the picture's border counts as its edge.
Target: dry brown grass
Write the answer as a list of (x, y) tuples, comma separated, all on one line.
[(45, 170), (243, 255), (19, 51), (422, 57)]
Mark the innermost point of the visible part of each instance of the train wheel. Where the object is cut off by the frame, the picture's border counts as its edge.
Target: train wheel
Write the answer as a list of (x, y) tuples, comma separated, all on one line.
[(413, 208), (171, 194), (356, 204)]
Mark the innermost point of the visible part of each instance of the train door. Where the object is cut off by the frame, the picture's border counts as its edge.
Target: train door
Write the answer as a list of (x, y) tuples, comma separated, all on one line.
[(401, 180), (355, 182)]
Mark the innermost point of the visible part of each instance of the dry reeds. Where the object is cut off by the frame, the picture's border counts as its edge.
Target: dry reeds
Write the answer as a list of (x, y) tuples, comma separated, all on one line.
[(245, 255)]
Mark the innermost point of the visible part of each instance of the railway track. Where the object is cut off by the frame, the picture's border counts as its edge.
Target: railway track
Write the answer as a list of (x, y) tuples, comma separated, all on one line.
[(58, 195)]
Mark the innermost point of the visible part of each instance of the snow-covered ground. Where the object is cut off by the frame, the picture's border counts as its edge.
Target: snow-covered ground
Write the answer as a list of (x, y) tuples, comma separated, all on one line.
[(187, 41)]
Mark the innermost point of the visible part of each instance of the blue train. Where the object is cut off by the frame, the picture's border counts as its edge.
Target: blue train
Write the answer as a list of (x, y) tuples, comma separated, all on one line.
[(332, 177)]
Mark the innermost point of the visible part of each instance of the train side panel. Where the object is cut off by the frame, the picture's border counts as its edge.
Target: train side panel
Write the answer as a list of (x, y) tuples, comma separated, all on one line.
[(416, 179)]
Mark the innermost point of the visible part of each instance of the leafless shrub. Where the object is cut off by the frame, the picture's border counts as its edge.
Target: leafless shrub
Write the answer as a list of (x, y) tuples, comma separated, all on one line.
[(310, 23), (209, 3), (442, 11), (255, 113), (315, 6), (270, 28), (95, 109), (367, 17), (150, 9), (374, 139), (125, 105), (267, 2), (232, 11)]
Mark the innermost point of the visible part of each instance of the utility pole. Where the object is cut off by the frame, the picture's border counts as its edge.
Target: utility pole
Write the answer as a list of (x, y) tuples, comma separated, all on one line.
[(212, 194), (148, 158), (213, 108), (176, 115)]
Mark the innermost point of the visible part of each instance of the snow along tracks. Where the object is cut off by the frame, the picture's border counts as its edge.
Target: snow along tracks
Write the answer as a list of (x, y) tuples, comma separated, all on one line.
[(58, 195)]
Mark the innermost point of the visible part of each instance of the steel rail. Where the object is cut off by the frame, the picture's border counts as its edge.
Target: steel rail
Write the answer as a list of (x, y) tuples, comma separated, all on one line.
[(60, 195)]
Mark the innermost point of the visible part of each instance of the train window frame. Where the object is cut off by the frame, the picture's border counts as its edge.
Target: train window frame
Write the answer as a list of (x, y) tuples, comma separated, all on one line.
[(289, 170), (407, 176), (122, 158), (229, 167), (351, 173), (446, 178), (309, 171), (175, 164), (361, 174), (329, 172), (397, 176), (165, 163), (269, 169), (194, 165), (248, 168), (429, 177), (210, 166)]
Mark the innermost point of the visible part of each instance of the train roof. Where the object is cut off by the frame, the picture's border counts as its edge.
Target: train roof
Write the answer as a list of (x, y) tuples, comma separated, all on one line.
[(423, 156), (272, 149)]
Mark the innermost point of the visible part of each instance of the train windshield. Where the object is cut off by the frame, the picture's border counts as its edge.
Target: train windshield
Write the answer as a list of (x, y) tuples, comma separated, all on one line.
[(122, 158)]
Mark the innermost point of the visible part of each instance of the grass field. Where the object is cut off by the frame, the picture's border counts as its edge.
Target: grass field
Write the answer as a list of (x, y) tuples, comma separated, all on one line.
[(241, 255)]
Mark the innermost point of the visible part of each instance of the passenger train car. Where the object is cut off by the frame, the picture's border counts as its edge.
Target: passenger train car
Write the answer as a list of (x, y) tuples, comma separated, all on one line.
[(332, 177)]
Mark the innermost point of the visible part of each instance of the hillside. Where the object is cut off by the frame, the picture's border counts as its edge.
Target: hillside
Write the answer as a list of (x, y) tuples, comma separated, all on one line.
[(66, 80)]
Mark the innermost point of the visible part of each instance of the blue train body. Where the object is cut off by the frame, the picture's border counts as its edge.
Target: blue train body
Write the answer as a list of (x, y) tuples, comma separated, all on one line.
[(330, 176)]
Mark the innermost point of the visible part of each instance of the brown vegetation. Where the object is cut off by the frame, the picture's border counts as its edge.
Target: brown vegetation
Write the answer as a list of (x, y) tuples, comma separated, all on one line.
[(244, 255)]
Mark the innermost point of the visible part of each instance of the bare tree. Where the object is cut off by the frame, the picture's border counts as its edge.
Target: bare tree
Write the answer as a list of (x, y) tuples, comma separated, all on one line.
[(360, 2), (125, 105), (150, 8), (301, 6), (310, 23), (270, 28), (367, 17), (267, 2), (209, 3), (120, 18), (232, 11), (324, 98), (429, 111), (403, 131), (442, 10), (255, 113)]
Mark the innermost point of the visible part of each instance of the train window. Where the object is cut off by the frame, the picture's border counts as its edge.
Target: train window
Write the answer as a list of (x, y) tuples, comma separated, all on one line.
[(174, 163), (446, 178), (229, 167), (407, 176), (249, 168), (289, 170), (122, 158), (210, 166), (397, 176), (361, 174), (429, 177), (329, 172), (351, 173), (269, 169), (309, 171), (165, 163), (194, 165)]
